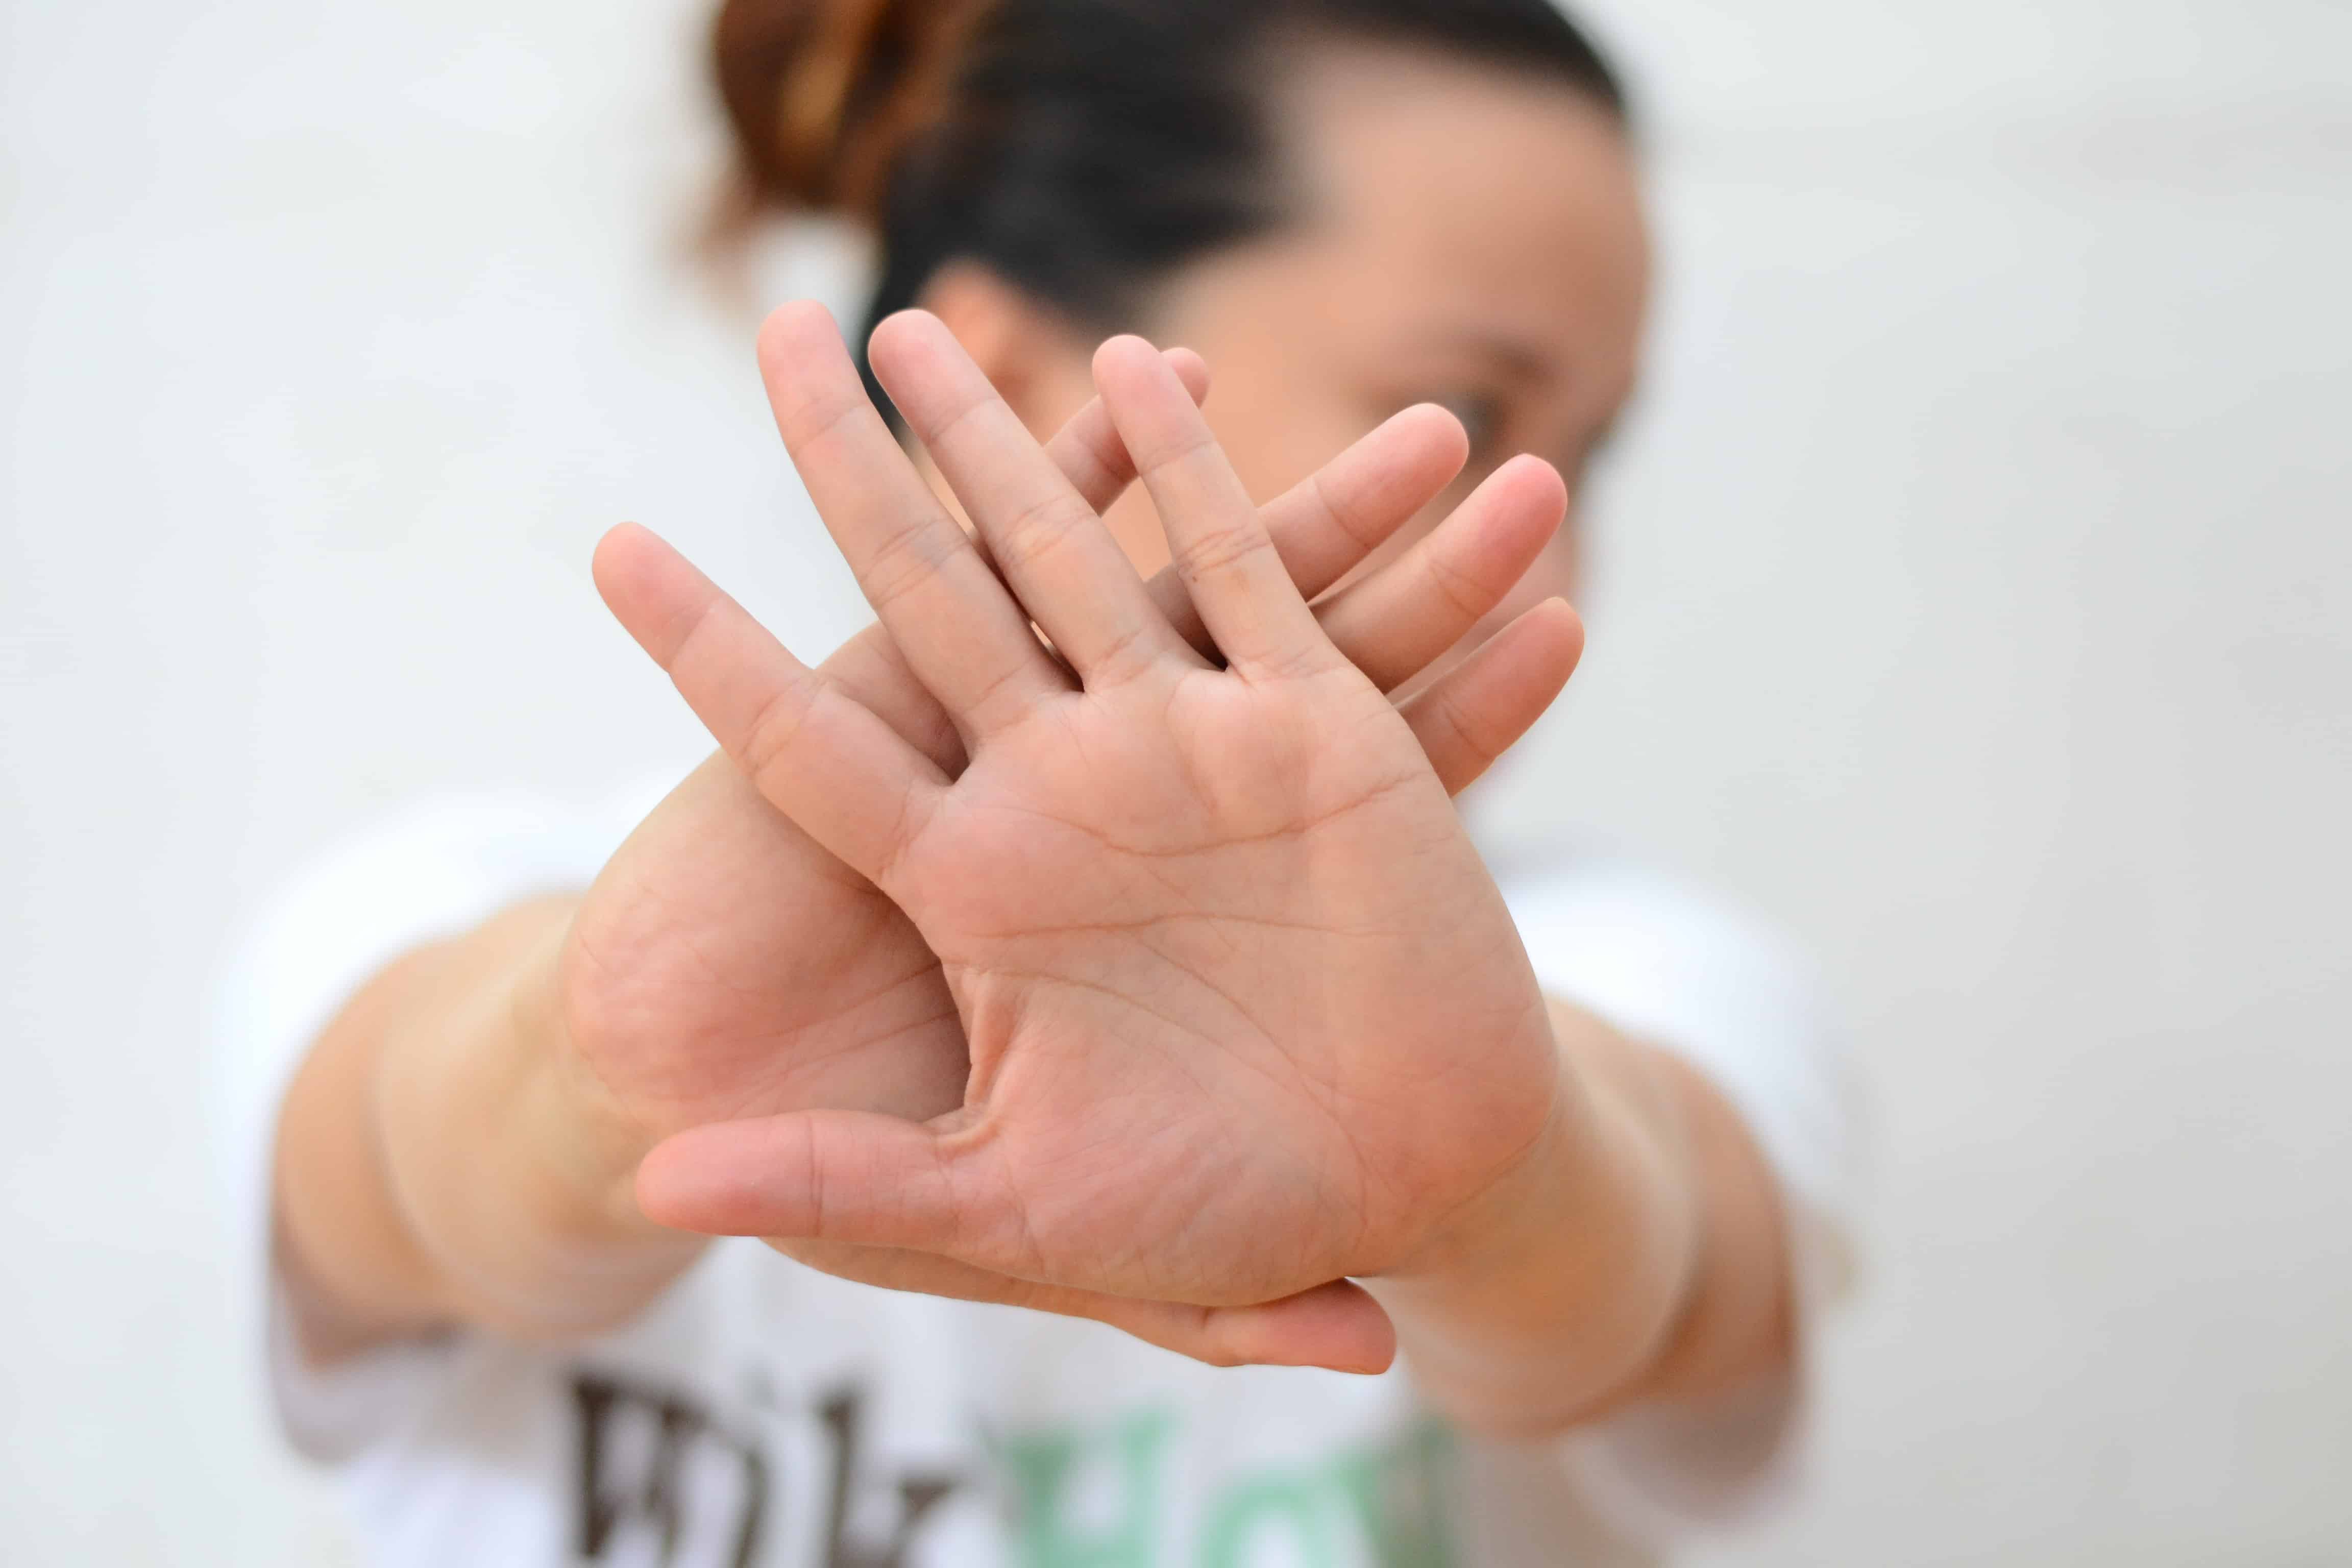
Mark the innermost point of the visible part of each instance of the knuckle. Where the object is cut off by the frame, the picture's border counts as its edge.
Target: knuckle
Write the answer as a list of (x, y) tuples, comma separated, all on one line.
[(1462, 592), (1003, 687), (1181, 450), (1038, 529), (907, 557), (1351, 512), (809, 422), (820, 1216), (768, 740), (685, 639), (1297, 663), (897, 844), (1220, 550), (1119, 659), (1469, 730), (941, 426)]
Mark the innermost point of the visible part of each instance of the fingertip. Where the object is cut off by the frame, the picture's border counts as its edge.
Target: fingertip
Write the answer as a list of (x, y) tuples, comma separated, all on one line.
[(1537, 476), (1420, 450), (616, 544), (1192, 370), (1548, 643), (1530, 463), (1337, 1327), (902, 332), (1362, 1341), (1557, 618), (624, 566), (918, 360), (664, 1190), (1571, 637), (1125, 353), (1366, 1348), (791, 329), (1440, 428), (696, 1181), (1523, 502)]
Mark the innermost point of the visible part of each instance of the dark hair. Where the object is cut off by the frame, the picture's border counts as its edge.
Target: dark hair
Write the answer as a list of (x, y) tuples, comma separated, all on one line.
[(1078, 149)]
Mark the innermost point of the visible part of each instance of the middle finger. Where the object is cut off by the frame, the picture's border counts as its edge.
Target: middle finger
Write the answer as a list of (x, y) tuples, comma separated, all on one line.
[(962, 634), (1069, 574)]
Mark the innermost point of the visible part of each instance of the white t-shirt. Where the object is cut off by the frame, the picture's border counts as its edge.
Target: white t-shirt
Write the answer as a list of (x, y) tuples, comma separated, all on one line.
[(762, 1413)]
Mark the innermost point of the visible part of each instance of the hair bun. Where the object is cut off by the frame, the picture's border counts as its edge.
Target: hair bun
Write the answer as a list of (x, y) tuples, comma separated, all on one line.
[(823, 95)]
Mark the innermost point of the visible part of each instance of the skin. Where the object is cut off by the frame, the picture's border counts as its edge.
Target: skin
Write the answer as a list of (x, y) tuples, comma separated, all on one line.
[(1562, 1222), (1466, 237), (459, 1145)]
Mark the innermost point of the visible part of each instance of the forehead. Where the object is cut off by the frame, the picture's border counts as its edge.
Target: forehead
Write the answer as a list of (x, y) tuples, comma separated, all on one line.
[(1450, 186)]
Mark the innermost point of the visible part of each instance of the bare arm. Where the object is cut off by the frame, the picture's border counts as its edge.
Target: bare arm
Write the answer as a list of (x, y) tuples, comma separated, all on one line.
[(438, 1162), (1640, 1254), (1256, 1021), (440, 1158), (458, 1147)]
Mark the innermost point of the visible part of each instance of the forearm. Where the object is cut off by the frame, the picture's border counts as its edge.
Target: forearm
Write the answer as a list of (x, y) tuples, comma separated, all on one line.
[(439, 1161), (1638, 1253)]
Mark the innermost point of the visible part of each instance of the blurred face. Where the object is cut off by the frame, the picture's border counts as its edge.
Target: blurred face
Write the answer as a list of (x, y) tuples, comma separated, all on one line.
[(1471, 236), (1466, 234)]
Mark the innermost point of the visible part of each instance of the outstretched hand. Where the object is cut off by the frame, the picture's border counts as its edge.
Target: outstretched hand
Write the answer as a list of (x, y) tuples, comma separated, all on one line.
[(1244, 1014)]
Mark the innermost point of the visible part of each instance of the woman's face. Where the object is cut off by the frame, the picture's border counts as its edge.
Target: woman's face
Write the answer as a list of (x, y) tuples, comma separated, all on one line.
[(1472, 237), (1469, 235)]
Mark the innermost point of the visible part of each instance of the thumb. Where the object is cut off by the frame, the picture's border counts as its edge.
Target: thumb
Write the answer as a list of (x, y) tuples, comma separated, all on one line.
[(818, 1176), (1338, 1326)]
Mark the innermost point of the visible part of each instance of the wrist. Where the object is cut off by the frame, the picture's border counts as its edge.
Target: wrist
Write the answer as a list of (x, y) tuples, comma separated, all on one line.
[(509, 1165), (1550, 1296)]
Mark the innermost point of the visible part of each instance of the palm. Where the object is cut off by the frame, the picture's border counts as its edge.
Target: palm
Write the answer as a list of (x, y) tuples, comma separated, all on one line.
[(1083, 905), (723, 964), (1205, 938)]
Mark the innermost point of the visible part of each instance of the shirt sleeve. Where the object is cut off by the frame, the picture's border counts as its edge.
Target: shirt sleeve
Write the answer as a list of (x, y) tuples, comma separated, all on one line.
[(1685, 972), (432, 872)]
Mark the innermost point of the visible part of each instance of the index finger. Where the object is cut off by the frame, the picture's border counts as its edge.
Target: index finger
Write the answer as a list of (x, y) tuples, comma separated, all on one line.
[(1238, 582), (1324, 526), (962, 634)]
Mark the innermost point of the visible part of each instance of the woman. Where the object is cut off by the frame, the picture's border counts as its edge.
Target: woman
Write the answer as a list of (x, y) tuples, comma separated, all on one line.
[(514, 1110)]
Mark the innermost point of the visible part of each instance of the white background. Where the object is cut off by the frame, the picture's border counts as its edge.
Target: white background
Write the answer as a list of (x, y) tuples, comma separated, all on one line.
[(1974, 597)]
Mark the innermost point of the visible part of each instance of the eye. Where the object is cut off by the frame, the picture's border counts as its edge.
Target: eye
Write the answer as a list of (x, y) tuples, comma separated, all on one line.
[(1482, 417)]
